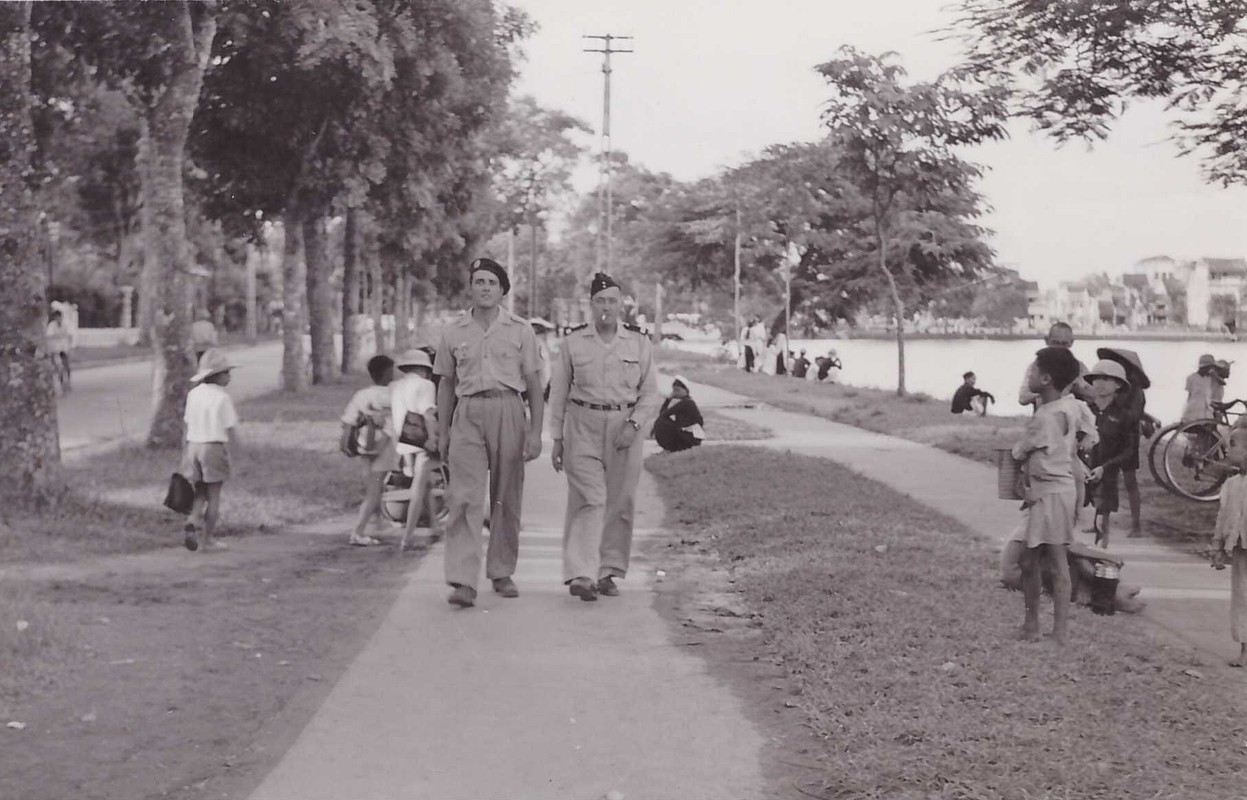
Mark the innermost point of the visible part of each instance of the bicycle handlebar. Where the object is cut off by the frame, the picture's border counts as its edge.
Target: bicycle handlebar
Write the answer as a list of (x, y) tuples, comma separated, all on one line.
[(1227, 406)]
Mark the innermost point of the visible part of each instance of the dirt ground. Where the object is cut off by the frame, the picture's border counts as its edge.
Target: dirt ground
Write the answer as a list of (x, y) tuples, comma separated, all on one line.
[(186, 675)]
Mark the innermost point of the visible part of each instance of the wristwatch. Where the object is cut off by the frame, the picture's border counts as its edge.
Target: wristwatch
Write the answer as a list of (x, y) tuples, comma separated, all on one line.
[(636, 426)]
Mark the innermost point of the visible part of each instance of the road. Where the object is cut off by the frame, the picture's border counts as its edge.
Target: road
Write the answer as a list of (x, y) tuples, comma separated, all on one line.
[(114, 402)]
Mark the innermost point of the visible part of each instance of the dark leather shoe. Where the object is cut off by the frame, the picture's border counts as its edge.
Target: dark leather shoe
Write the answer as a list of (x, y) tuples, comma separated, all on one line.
[(462, 596), (584, 589), (506, 587), (607, 587)]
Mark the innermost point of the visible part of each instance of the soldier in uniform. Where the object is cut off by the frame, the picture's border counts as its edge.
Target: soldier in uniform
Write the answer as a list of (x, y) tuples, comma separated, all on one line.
[(486, 359), (603, 395)]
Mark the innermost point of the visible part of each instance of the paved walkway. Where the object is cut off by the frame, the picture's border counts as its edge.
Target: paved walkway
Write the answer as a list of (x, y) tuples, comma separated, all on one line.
[(1184, 595), (543, 696)]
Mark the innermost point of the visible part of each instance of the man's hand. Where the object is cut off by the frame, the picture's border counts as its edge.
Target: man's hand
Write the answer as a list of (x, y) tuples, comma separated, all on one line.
[(627, 434), (556, 455), (1096, 474), (532, 444), (1218, 559)]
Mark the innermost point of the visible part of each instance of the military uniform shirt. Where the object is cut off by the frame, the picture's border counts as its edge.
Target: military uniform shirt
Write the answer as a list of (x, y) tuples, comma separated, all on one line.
[(481, 360), (593, 370)]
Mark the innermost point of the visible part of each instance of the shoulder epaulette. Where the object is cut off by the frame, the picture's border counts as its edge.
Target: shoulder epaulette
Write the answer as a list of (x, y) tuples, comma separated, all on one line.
[(579, 327), (633, 328)]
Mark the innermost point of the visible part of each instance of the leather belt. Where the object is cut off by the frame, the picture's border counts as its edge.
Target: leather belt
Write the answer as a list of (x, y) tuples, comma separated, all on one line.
[(494, 393), (604, 406)]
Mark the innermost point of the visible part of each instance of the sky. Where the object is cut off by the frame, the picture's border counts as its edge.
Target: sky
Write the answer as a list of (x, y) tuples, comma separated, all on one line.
[(713, 82)]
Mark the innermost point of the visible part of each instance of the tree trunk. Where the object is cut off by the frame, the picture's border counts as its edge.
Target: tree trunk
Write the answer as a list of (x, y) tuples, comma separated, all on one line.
[(402, 305), (898, 309), (293, 285), (252, 265), (378, 300), (30, 447), (167, 121), (319, 300), (350, 293), (532, 278)]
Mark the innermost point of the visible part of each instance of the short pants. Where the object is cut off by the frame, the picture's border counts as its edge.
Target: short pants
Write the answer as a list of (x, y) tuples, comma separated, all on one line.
[(385, 460), (206, 462)]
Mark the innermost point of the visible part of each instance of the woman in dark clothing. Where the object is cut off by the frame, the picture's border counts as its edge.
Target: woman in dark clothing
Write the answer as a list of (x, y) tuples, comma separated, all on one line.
[(679, 413), (1139, 423)]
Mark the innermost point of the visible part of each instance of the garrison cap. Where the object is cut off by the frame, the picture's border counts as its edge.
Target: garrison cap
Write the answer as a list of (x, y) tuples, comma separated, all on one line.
[(601, 282)]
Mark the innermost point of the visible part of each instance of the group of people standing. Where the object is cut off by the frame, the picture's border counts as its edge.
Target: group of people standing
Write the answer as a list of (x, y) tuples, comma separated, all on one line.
[(771, 355)]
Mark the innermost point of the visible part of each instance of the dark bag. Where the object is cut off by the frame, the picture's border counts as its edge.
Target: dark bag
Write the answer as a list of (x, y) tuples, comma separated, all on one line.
[(181, 495), (364, 438), (349, 443), (414, 431)]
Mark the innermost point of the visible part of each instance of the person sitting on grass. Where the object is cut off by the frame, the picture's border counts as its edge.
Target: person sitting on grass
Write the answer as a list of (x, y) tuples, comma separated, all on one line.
[(1118, 433), (968, 398), (367, 415), (1229, 540), (1048, 494), (679, 423), (1082, 561), (211, 431)]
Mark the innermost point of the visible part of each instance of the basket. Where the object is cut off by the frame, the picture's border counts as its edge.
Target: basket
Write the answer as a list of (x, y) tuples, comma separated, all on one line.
[(1104, 588), (1008, 476)]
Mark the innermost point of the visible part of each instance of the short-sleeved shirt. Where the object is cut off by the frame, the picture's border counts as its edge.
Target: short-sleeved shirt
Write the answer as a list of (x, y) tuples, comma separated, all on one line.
[(372, 402), (615, 372), (482, 359), (58, 337), (1118, 433), (210, 414), (411, 393), (1047, 446), (1199, 397)]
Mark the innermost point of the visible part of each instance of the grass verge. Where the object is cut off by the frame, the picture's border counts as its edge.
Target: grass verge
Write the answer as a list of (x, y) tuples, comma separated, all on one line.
[(920, 418), (889, 620), (288, 471)]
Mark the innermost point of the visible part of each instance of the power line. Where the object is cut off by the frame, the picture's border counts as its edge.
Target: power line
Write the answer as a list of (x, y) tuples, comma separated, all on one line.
[(605, 199)]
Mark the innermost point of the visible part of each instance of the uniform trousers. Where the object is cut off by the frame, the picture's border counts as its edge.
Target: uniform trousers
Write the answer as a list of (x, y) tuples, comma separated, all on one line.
[(486, 446), (601, 493), (1238, 594)]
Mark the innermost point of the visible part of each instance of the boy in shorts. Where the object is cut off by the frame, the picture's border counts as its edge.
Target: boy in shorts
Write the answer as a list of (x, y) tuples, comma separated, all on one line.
[(372, 406), (211, 430)]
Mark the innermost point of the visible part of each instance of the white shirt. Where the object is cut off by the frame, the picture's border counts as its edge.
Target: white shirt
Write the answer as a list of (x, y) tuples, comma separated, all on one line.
[(209, 414), (410, 393), (372, 402), (1231, 528)]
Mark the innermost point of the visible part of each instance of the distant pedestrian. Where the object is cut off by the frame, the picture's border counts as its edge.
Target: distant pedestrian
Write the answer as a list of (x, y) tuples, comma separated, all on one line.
[(604, 394), (1202, 389), (679, 423), (754, 344), (59, 343), (969, 398), (211, 434), (203, 333), (369, 433), (781, 353), (486, 358), (1229, 541), (413, 394), (800, 366), (1048, 498), (1115, 426), (542, 330), (829, 366)]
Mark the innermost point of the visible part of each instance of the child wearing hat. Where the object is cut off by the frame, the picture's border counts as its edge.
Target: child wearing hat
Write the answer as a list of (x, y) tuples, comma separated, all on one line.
[(414, 393), (1115, 426), (211, 430)]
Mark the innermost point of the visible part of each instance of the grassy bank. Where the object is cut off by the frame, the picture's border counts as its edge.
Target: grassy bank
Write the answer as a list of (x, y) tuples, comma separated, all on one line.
[(288, 471), (920, 418), (888, 619)]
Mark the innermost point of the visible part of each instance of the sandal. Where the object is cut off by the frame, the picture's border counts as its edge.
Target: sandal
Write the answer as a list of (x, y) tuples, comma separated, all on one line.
[(363, 541)]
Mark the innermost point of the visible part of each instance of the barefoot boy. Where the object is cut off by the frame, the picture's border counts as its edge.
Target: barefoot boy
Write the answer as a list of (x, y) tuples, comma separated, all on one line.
[(1229, 541), (211, 431), (371, 405), (1048, 526)]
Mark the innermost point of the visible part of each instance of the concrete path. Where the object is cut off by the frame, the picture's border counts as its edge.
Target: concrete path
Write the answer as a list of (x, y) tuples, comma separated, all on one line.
[(544, 696), (1184, 595), (114, 402)]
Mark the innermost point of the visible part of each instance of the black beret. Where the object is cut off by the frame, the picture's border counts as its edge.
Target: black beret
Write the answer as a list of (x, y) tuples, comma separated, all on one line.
[(602, 282), (489, 265)]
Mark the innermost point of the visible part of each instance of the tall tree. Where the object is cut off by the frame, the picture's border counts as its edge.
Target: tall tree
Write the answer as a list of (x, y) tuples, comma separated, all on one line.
[(155, 55), (1074, 67), (900, 144), (29, 448)]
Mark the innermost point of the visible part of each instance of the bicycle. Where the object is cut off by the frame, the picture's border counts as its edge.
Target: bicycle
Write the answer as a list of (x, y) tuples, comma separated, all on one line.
[(1189, 458)]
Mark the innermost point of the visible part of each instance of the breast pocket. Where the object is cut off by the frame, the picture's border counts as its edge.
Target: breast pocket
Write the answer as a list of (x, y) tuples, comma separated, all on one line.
[(631, 370), (467, 358)]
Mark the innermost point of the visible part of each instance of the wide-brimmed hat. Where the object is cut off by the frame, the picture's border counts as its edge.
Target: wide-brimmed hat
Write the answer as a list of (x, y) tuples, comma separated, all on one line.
[(212, 362), (1131, 361), (1207, 360), (1223, 367), (1104, 368), (413, 358)]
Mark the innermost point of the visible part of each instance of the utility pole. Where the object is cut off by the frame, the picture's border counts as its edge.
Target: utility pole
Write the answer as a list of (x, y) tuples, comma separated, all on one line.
[(736, 279), (604, 168)]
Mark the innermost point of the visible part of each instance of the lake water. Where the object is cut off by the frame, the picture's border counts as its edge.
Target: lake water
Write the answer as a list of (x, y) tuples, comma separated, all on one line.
[(934, 366)]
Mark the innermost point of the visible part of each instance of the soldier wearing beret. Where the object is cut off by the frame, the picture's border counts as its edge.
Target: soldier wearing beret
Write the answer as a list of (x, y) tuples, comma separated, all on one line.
[(486, 359), (603, 395)]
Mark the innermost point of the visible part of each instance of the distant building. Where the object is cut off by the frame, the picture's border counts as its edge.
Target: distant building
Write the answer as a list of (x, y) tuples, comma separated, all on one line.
[(1076, 305), (1209, 278)]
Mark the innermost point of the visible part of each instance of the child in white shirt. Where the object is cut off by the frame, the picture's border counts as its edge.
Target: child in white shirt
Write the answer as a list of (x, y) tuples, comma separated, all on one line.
[(372, 406), (414, 393), (211, 429), (1229, 541)]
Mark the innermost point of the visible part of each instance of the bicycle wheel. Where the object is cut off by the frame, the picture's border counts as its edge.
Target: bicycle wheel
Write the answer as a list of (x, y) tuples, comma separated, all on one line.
[(1156, 454), (1195, 460)]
